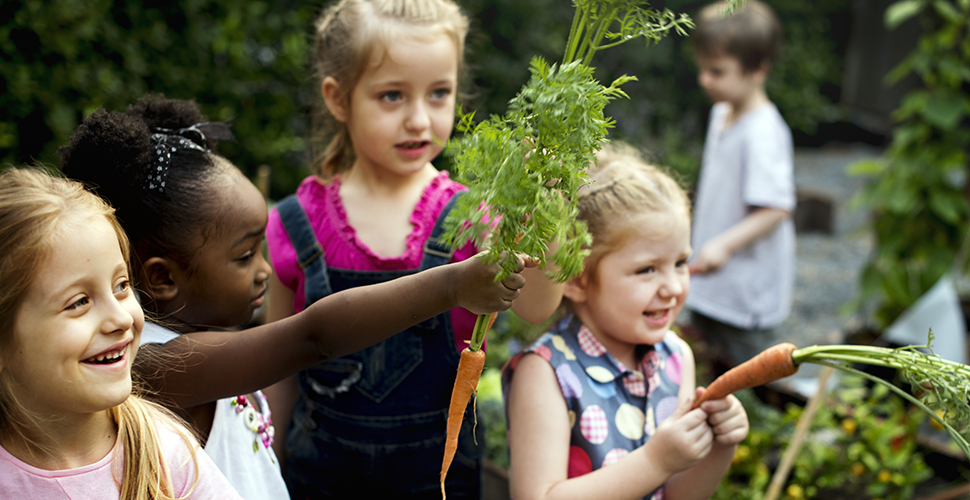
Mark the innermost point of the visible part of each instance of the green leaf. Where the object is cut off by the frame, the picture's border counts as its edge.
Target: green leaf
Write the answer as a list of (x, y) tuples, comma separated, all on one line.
[(944, 110), (947, 11), (944, 206), (899, 12)]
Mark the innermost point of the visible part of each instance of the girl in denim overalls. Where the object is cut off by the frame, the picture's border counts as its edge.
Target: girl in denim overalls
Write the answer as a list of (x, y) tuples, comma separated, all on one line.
[(599, 407), (372, 424)]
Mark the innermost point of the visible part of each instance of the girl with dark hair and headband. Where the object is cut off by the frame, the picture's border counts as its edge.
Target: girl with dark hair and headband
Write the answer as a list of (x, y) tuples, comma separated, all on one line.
[(196, 226)]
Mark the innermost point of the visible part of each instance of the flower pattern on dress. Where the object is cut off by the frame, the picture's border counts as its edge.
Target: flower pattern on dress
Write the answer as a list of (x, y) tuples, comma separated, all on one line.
[(261, 425)]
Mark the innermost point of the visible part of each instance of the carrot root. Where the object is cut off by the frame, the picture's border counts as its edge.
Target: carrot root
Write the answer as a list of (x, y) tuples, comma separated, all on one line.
[(469, 371), (771, 364)]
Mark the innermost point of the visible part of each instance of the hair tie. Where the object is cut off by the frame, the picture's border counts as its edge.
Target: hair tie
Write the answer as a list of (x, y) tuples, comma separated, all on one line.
[(168, 141)]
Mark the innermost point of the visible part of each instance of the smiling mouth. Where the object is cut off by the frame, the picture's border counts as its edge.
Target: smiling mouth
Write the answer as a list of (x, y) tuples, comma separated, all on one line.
[(413, 145), (656, 314), (107, 358)]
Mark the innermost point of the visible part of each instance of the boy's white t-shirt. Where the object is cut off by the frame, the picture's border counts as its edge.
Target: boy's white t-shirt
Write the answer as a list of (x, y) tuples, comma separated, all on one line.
[(748, 164), (98, 481), (232, 445)]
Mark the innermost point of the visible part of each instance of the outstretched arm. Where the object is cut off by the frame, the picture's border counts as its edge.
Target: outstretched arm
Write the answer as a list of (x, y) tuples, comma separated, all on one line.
[(213, 365)]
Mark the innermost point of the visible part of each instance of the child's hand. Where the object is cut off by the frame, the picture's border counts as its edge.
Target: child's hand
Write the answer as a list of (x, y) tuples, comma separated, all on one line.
[(727, 419), (682, 439), (475, 288), (712, 256)]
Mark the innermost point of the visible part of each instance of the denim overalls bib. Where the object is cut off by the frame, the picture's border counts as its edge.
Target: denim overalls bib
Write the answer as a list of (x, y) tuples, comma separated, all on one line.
[(372, 424)]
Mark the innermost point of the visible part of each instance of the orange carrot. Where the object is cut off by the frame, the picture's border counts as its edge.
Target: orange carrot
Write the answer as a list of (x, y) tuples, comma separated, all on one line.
[(469, 371), (771, 364)]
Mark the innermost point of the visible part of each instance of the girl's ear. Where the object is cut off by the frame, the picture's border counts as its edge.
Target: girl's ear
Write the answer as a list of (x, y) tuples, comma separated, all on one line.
[(334, 98), (159, 282), (575, 289)]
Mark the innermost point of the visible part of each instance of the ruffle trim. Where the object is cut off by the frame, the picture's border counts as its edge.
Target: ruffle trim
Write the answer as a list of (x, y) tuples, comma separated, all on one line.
[(433, 198)]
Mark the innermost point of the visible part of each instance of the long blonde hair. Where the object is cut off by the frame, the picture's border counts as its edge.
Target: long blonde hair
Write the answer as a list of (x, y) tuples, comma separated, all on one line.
[(33, 208), (348, 35), (624, 189)]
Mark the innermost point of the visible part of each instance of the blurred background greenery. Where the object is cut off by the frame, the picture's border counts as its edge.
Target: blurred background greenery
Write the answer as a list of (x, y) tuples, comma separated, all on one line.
[(249, 59)]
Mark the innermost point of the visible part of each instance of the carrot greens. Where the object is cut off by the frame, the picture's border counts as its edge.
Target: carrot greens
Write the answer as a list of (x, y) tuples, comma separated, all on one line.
[(524, 168)]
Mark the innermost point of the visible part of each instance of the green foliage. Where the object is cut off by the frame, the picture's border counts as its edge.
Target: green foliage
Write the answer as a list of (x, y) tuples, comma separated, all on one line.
[(250, 59), (525, 167), (861, 445), (62, 59), (917, 191)]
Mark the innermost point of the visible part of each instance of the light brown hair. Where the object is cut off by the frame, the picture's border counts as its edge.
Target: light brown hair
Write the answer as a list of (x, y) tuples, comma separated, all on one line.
[(752, 34), (624, 189), (348, 35), (34, 207)]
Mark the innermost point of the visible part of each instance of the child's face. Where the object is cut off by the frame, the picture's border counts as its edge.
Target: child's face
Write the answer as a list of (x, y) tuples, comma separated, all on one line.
[(641, 287), (402, 109), (723, 78), (77, 331), (228, 275)]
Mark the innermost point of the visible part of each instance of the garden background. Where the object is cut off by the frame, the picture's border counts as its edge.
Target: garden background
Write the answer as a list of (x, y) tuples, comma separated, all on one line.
[(249, 60)]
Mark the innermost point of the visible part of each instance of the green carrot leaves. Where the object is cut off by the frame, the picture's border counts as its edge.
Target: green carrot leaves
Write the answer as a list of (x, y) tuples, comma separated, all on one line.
[(525, 168)]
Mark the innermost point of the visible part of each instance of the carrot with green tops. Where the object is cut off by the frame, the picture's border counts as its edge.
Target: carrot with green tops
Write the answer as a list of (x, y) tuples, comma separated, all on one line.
[(771, 364), (469, 371), (943, 383)]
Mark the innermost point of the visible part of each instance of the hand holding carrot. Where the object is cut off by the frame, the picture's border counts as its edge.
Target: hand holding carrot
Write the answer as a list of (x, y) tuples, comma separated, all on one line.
[(682, 440), (727, 419), (475, 288)]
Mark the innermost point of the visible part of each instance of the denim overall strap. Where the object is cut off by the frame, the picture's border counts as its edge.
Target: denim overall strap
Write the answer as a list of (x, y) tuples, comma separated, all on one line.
[(436, 252), (383, 436), (309, 253)]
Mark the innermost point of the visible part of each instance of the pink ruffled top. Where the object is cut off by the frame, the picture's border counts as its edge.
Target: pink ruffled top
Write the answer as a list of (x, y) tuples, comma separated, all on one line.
[(344, 250)]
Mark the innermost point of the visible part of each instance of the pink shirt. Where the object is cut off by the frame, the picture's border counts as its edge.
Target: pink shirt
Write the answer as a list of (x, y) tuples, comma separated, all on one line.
[(343, 250), (99, 481)]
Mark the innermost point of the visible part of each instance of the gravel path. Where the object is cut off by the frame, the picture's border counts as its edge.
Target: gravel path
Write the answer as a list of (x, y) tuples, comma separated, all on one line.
[(827, 266)]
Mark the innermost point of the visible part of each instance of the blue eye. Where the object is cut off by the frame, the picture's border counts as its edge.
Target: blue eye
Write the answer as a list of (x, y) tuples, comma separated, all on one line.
[(391, 96), (440, 93)]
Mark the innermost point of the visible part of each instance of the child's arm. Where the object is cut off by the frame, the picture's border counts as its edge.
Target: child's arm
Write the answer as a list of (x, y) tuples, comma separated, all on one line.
[(540, 296), (539, 439), (759, 222), (213, 365)]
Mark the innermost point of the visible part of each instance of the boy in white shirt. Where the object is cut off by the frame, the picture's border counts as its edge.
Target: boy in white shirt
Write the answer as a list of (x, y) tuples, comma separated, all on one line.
[(743, 237)]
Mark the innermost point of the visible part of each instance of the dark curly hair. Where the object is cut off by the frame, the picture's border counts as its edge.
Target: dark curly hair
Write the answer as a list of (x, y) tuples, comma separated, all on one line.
[(111, 152)]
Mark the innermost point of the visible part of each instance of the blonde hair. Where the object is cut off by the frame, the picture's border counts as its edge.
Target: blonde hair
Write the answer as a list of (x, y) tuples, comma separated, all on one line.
[(349, 34), (624, 188), (752, 33), (34, 206)]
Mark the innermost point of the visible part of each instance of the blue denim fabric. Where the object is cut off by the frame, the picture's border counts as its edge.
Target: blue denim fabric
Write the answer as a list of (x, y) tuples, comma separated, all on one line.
[(372, 424)]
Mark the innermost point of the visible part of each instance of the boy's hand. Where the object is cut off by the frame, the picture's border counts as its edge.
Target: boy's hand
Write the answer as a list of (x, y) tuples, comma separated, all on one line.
[(712, 256), (475, 288), (682, 439), (727, 419)]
